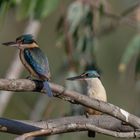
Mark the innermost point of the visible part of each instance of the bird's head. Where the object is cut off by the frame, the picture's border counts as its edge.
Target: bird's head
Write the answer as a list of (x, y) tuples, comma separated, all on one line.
[(22, 42), (86, 75)]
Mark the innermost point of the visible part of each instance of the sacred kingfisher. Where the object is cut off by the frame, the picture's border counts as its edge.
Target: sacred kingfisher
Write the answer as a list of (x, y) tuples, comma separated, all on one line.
[(33, 59), (95, 89)]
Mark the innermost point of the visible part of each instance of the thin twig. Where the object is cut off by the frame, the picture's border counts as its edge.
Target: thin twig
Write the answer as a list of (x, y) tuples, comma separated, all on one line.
[(130, 9)]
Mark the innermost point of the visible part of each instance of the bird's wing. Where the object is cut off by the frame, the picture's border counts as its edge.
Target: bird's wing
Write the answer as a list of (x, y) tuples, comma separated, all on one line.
[(38, 61)]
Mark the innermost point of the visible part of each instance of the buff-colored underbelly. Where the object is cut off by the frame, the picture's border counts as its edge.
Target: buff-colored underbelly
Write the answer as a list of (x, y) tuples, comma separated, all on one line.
[(100, 96), (27, 66)]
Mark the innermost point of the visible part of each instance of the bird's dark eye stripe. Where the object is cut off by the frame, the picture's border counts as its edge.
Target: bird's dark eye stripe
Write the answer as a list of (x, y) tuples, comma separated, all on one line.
[(19, 41), (86, 74)]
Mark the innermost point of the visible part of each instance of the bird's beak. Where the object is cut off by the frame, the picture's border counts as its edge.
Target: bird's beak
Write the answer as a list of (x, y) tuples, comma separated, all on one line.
[(12, 44), (80, 77)]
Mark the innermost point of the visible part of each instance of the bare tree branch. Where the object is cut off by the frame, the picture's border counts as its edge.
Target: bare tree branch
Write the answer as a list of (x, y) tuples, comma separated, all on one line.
[(100, 123), (118, 19), (131, 9), (122, 18), (71, 96), (75, 127)]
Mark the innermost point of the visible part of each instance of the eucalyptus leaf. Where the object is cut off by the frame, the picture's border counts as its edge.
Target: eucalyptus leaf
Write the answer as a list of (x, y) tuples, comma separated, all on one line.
[(132, 49), (75, 15)]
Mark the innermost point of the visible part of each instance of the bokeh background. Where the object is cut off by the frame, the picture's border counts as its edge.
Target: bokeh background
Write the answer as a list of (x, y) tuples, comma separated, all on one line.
[(75, 36)]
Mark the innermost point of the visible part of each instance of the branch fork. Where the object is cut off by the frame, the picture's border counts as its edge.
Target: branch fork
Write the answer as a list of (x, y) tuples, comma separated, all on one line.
[(77, 123)]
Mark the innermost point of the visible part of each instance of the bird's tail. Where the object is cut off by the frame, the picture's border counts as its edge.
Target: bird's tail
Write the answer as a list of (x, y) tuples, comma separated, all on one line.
[(91, 134), (47, 89)]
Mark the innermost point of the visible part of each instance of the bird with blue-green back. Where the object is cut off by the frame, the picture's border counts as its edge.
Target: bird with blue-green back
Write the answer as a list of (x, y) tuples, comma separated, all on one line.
[(33, 59)]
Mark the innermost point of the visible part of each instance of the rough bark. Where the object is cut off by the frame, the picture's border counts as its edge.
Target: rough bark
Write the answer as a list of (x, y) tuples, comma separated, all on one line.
[(71, 96), (100, 123)]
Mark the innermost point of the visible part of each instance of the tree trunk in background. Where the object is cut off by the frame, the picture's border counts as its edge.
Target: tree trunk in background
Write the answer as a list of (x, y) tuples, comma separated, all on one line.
[(16, 67)]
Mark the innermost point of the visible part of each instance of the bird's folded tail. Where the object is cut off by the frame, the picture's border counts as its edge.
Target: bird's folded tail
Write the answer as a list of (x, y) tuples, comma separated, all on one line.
[(47, 89)]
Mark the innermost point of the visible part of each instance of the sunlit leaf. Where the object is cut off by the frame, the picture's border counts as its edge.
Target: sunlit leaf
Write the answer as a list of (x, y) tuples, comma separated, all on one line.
[(16, 1)]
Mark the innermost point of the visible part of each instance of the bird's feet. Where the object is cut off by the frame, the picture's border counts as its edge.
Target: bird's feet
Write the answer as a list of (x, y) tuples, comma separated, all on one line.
[(87, 114), (124, 123)]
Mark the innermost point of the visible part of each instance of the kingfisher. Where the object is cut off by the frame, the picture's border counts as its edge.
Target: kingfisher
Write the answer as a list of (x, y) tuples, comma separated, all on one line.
[(95, 89), (33, 59)]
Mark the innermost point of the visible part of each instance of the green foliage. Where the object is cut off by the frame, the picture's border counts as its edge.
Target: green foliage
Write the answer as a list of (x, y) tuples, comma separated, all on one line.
[(78, 33), (132, 49), (75, 14), (38, 9), (131, 56), (44, 8), (101, 9), (4, 5), (26, 8), (78, 39)]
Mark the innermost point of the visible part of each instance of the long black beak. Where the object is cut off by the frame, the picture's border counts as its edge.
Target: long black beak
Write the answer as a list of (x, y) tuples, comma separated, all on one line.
[(80, 77), (12, 44)]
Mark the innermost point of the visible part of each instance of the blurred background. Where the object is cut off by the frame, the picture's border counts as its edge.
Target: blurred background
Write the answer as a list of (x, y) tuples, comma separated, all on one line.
[(76, 35)]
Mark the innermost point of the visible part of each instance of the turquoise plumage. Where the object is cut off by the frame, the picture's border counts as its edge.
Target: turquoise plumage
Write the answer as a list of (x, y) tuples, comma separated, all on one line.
[(38, 61), (33, 59), (39, 64)]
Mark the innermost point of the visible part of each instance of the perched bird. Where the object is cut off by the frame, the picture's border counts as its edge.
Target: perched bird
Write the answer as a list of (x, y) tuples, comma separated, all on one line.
[(33, 59), (95, 89)]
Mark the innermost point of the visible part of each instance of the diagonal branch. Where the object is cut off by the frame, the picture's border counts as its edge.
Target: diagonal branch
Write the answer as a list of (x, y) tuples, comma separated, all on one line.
[(131, 9), (114, 16), (71, 96), (119, 19)]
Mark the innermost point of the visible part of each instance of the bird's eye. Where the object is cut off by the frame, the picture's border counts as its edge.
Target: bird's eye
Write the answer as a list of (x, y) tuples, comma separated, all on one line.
[(86, 74)]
